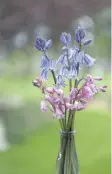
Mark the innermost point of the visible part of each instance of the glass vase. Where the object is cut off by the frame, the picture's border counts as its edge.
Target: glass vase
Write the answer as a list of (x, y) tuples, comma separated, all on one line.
[(67, 161)]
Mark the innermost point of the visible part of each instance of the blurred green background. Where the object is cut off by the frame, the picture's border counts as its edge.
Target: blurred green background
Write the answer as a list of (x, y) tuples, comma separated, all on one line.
[(29, 139)]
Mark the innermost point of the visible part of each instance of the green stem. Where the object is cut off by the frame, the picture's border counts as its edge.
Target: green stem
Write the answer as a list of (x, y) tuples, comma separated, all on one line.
[(62, 124), (70, 84), (69, 116), (72, 115), (54, 77), (65, 117)]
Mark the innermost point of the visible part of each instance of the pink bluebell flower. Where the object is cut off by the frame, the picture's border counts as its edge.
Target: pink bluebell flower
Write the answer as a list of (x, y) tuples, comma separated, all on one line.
[(43, 106)]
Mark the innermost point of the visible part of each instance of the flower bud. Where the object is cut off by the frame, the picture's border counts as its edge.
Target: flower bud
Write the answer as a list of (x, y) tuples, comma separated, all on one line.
[(98, 78), (87, 42), (50, 90), (48, 44), (40, 43), (104, 86), (79, 34), (102, 89)]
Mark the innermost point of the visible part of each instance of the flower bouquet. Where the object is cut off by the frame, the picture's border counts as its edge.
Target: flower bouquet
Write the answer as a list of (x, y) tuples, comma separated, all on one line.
[(65, 72)]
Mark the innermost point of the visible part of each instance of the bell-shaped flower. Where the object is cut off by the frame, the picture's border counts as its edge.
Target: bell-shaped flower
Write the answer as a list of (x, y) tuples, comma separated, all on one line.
[(43, 106), (79, 57), (60, 81), (86, 93), (88, 60), (72, 94), (49, 99), (80, 108), (93, 88), (52, 65), (63, 72), (62, 60), (58, 113), (72, 72), (69, 106), (90, 80), (65, 38), (38, 82), (50, 90), (44, 74), (45, 62), (59, 91)]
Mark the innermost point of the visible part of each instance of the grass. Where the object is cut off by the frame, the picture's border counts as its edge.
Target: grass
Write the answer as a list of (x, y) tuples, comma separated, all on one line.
[(38, 153)]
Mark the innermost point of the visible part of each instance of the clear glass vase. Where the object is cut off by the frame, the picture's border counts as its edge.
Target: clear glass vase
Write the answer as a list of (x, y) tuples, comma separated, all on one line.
[(67, 161)]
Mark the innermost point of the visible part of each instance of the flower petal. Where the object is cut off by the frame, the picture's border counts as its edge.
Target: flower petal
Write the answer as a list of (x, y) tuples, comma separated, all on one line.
[(44, 74), (88, 60), (45, 62)]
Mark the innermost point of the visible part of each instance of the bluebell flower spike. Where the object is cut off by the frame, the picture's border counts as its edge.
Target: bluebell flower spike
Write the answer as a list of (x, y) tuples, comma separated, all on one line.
[(70, 60)]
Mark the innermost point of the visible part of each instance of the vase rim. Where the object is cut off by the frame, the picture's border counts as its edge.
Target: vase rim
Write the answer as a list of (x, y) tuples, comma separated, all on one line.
[(67, 133)]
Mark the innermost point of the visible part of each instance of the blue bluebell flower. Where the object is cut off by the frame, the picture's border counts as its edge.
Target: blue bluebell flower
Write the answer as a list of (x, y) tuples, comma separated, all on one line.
[(45, 62), (79, 34), (65, 38), (44, 74), (72, 73), (60, 81), (40, 43), (88, 60), (79, 57), (62, 59), (52, 65), (63, 71)]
